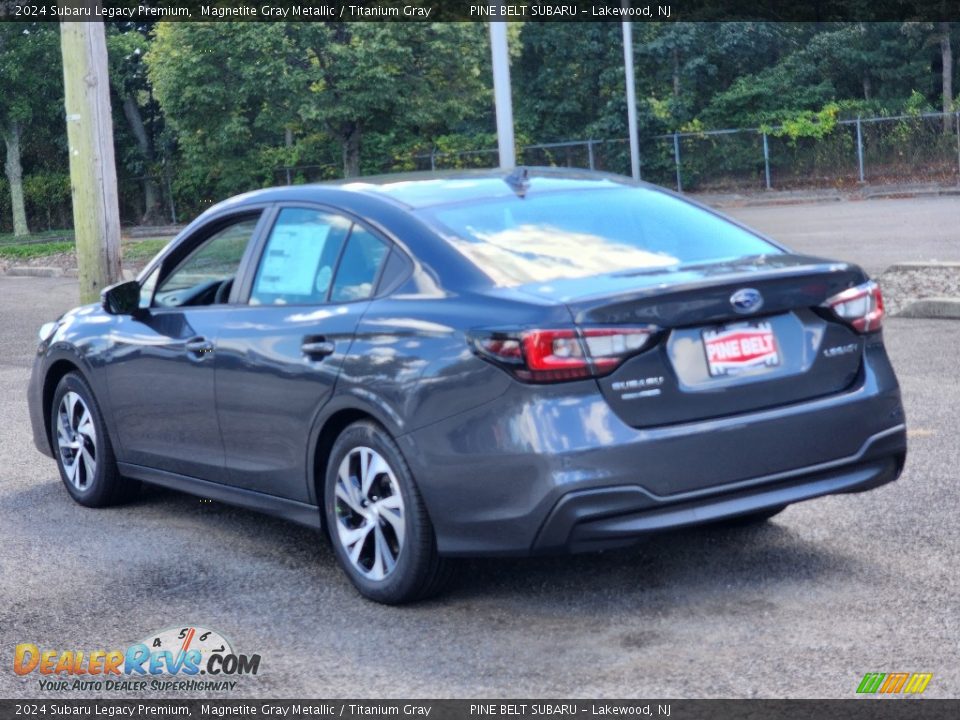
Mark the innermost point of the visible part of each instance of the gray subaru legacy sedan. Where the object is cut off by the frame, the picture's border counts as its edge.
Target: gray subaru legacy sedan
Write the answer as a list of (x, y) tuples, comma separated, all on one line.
[(490, 363)]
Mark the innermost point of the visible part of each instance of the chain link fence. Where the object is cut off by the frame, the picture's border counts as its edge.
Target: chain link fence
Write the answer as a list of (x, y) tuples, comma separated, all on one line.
[(904, 149)]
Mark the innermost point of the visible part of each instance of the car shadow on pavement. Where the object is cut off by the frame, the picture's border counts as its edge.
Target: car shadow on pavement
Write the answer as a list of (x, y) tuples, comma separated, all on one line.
[(699, 559), (659, 574), (662, 569)]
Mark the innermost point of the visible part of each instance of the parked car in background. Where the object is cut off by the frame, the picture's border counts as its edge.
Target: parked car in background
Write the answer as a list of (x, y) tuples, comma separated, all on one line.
[(479, 363)]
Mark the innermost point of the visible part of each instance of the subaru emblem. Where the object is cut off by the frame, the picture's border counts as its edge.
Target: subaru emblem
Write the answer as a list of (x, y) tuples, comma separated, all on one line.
[(746, 300)]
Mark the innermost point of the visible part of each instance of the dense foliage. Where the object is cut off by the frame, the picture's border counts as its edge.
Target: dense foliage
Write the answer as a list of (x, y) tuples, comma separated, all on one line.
[(202, 111)]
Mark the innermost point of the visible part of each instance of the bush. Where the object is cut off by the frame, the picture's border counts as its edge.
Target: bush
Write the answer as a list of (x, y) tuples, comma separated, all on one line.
[(48, 201)]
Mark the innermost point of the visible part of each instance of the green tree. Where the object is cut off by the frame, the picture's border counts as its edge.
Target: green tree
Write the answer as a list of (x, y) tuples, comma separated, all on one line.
[(416, 79), (127, 44), (565, 77), (229, 91), (872, 66), (570, 80), (245, 97), (32, 85), (938, 35), (685, 64)]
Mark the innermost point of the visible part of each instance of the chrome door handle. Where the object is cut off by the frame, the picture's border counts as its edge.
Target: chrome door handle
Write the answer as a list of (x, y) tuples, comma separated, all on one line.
[(199, 346), (317, 349)]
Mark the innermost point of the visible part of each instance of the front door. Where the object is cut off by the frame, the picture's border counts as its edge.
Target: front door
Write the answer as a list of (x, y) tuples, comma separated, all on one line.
[(161, 375)]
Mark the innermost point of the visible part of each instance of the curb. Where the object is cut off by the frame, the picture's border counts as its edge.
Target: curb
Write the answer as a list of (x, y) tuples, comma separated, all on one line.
[(934, 308), (780, 202), (757, 201), (49, 272), (735, 200), (30, 271), (922, 265), (906, 194)]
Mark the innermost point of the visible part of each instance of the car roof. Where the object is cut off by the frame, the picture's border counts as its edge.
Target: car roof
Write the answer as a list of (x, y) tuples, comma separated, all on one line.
[(416, 190), (424, 189)]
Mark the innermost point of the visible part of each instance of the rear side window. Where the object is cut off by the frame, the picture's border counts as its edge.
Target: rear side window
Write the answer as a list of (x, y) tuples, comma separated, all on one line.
[(300, 257), (359, 266), (557, 235)]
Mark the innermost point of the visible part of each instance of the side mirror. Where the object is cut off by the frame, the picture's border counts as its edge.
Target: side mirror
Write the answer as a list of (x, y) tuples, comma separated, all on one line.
[(122, 298)]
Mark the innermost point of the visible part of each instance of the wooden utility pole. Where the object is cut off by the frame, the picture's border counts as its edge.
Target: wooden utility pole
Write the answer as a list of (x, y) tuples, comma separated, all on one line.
[(93, 171)]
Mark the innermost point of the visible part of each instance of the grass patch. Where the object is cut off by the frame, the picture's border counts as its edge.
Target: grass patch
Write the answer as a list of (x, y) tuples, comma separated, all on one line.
[(34, 250), (135, 251), (37, 238), (143, 250)]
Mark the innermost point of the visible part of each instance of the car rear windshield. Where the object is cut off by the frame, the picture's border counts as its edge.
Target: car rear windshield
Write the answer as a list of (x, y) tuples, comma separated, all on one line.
[(556, 235)]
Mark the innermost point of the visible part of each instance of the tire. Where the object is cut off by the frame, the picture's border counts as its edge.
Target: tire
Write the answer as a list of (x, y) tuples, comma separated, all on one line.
[(751, 519), (376, 520), (82, 447)]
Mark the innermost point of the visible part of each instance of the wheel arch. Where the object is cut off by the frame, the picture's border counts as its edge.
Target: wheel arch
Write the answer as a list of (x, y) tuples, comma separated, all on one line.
[(55, 373), (334, 422)]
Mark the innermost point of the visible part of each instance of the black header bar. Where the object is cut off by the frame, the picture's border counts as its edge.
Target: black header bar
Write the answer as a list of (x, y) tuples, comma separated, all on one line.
[(477, 10)]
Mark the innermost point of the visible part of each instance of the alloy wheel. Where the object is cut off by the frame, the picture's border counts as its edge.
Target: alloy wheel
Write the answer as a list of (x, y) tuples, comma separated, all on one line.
[(369, 513), (77, 440)]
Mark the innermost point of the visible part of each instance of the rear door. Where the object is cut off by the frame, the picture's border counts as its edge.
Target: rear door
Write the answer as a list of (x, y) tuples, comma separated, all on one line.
[(281, 349)]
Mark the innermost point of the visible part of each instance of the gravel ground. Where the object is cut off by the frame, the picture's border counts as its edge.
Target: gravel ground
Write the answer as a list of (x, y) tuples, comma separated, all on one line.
[(64, 261), (901, 286)]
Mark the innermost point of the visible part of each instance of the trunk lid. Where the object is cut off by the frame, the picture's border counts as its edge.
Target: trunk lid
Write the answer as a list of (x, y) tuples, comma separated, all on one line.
[(777, 346)]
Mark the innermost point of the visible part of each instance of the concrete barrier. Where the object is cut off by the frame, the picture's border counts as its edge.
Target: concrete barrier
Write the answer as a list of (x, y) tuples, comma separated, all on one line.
[(946, 308)]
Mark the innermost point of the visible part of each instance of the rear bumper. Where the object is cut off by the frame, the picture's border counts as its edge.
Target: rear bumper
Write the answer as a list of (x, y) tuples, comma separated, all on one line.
[(553, 468), (610, 517)]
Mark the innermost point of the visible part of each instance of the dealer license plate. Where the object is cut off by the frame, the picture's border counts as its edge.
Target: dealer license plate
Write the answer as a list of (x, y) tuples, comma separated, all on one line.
[(740, 347)]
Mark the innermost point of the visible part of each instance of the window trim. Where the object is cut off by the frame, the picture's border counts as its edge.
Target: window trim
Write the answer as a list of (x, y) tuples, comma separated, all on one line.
[(336, 265)]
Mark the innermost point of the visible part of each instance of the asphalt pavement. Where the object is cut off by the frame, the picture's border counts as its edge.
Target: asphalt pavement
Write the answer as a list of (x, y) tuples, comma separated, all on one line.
[(800, 607), (874, 233)]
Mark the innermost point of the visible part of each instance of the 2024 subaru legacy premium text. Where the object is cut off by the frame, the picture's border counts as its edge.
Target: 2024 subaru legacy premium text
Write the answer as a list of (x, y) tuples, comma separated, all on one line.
[(475, 364)]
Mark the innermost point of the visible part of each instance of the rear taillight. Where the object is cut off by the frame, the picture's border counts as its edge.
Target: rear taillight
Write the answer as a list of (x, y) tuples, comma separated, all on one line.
[(555, 355), (860, 306)]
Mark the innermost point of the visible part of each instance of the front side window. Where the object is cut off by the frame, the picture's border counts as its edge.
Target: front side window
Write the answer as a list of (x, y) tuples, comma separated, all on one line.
[(148, 287), (206, 275)]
